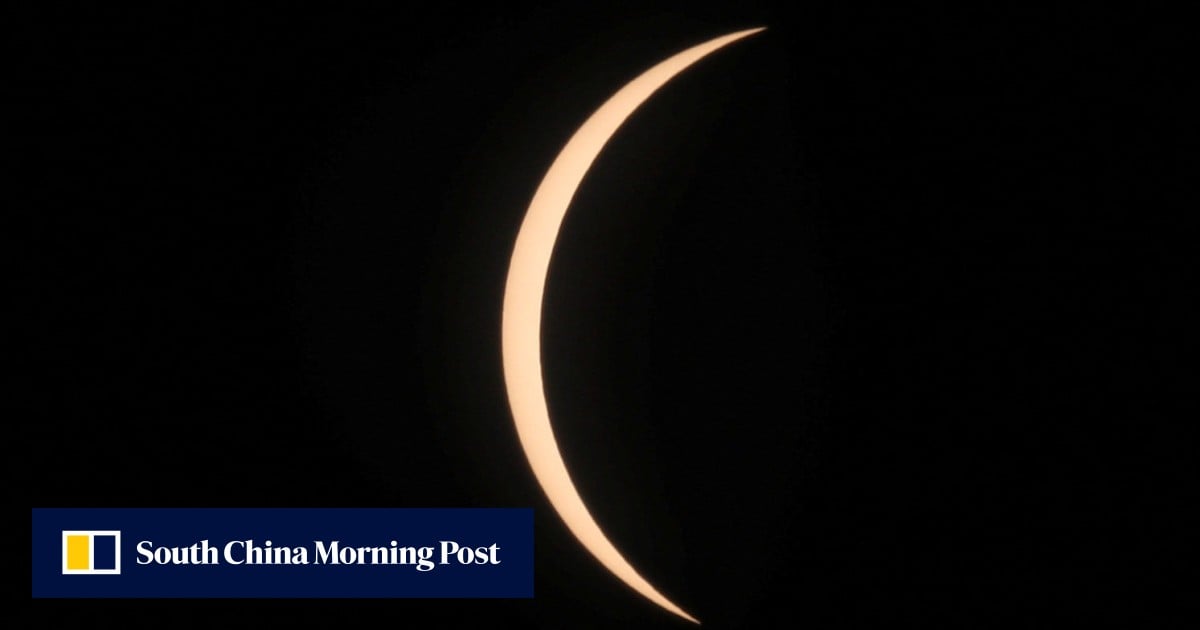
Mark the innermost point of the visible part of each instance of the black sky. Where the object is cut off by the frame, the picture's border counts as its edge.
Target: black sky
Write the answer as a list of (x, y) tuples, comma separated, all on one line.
[(872, 318)]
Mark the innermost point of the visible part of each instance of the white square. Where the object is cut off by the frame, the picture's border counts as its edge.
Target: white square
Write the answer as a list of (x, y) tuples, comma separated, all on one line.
[(91, 534)]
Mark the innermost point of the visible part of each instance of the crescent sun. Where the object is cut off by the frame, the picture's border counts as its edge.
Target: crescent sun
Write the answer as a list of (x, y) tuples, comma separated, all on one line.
[(522, 315)]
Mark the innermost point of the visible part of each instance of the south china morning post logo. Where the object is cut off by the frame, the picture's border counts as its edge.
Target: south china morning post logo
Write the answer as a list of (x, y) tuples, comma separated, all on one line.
[(91, 552), (335, 552), (283, 552)]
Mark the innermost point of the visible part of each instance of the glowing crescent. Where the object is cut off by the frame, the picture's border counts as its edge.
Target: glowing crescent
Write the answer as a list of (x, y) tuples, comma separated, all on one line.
[(522, 320)]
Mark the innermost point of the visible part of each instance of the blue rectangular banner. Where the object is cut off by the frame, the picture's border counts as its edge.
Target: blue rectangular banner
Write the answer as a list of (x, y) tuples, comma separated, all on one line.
[(283, 552)]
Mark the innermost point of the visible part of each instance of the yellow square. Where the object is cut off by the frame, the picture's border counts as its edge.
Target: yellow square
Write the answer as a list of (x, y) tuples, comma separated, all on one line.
[(77, 552)]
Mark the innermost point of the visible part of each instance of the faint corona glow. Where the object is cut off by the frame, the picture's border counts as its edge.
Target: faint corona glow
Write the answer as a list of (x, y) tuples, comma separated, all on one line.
[(522, 319)]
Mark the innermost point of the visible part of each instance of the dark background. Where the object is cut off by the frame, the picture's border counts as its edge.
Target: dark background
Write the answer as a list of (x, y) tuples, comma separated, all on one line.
[(871, 318)]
